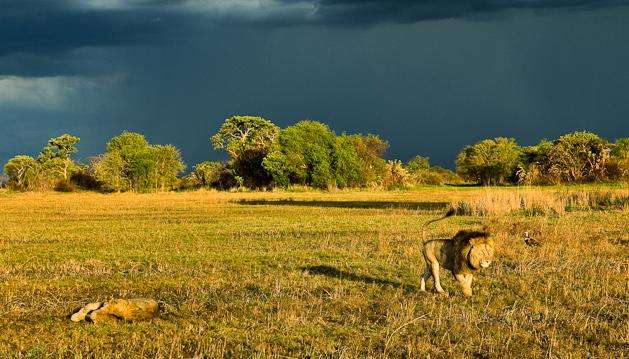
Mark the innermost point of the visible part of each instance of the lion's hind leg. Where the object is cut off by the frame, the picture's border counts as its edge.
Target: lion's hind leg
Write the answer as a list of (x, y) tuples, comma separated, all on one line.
[(425, 277), (85, 311)]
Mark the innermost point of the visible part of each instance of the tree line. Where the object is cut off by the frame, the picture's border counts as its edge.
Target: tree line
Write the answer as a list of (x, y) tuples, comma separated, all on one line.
[(261, 155)]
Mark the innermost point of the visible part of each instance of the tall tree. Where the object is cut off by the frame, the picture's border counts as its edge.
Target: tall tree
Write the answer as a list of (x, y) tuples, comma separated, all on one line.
[(131, 163), (23, 172), (247, 140), (490, 161), (55, 157)]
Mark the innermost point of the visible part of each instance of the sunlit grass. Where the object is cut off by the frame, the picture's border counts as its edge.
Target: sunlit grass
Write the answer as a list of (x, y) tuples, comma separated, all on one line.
[(298, 273)]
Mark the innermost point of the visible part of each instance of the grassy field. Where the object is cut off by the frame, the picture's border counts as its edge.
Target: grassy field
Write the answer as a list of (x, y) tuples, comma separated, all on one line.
[(333, 274)]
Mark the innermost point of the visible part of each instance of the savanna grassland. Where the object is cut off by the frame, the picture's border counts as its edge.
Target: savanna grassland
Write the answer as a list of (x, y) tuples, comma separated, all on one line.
[(319, 274)]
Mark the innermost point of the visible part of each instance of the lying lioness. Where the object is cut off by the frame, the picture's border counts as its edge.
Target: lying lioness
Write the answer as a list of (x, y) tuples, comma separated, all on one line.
[(118, 309)]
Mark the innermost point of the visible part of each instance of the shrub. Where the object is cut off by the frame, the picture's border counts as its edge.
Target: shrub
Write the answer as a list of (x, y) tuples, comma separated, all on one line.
[(64, 185), (396, 176), (303, 155), (85, 179), (490, 162), (24, 173), (131, 163), (247, 140)]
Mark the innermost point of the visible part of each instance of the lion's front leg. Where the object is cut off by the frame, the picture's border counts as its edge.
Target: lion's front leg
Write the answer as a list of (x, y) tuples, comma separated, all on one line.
[(465, 280)]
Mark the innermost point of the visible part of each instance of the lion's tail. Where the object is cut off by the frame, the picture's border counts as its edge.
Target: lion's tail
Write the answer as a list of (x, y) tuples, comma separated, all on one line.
[(451, 212)]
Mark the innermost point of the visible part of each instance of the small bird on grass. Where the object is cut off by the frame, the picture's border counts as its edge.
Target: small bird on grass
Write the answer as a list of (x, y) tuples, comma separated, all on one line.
[(530, 241)]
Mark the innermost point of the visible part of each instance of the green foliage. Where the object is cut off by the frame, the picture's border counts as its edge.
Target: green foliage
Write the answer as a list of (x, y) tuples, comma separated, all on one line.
[(168, 165), (577, 157), (52, 165), (60, 147), (435, 175), (309, 153), (417, 164), (55, 157), (213, 175), (303, 155), (24, 173), (247, 140), (490, 161), (618, 166), (110, 170), (131, 163), (396, 176), (127, 142), (207, 174), (420, 172), (347, 163), (370, 150)]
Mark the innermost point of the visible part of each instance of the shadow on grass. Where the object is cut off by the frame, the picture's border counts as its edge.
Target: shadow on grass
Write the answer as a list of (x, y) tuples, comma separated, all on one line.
[(424, 206), (333, 272)]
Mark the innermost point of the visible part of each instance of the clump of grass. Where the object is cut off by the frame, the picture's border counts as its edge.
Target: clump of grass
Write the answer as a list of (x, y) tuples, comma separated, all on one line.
[(534, 202)]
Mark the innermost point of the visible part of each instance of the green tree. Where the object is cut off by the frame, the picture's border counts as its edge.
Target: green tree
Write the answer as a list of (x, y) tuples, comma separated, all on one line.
[(578, 157), (371, 149), (131, 163), (23, 172), (303, 155), (168, 165), (347, 164), (247, 140), (55, 157), (417, 164), (490, 161), (207, 174), (110, 170), (619, 165)]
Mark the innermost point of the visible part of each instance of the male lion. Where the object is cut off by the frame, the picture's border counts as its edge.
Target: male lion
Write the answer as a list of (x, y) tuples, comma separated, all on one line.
[(467, 252), (118, 309)]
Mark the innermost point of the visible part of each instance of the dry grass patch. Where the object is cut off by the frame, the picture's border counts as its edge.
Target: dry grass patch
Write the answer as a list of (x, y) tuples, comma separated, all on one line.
[(274, 278)]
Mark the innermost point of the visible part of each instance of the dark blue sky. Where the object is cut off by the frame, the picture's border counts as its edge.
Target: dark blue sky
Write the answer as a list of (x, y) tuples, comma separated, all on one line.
[(430, 76)]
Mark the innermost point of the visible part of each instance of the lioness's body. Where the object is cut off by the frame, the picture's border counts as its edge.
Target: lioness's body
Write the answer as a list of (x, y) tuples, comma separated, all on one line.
[(118, 309), (463, 255)]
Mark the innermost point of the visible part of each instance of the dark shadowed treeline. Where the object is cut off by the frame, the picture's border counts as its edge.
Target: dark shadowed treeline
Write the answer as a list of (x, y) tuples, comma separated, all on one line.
[(310, 154)]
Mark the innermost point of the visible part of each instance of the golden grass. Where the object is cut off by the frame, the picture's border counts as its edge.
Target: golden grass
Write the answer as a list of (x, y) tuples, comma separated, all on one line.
[(539, 201), (311, 274)]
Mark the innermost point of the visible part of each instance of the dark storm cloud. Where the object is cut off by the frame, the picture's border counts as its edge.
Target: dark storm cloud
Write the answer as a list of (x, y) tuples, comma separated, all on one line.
[(44, 27), (80, 66), (51, 29), (355, 12)]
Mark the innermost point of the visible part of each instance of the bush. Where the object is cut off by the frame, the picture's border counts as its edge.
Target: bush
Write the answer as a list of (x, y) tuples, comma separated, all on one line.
[(24, 173), (422, 173), (490, 162), (85, 179), (248, 140), (310, 154), (64, 185), (303, 155), (131, 163), (577, 157), (396, 176)]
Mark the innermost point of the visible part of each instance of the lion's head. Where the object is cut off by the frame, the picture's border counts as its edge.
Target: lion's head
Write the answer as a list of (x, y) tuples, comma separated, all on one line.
[(476, 249)]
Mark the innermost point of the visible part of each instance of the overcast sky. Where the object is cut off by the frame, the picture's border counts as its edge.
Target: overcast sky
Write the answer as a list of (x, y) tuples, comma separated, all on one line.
[(430, 76)]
